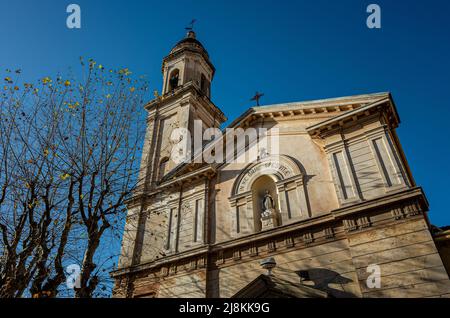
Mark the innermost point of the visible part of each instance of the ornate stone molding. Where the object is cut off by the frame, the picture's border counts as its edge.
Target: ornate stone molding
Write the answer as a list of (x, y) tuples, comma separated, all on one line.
[(308, 238), (201, 262), (288, 178), (220, 257), (280, 166), (335, 124), (359, 223), (363, 222), (329, 233), (407, 203), (397, 213), (350, 225), (253, 250), (398, 198), (413, 208), (172, 269), (289, 242), (272, 246)]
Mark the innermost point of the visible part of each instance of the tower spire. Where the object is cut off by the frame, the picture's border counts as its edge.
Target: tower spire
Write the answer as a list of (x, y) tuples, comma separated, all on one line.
[(188, 64), (190, 29), (190, 26)]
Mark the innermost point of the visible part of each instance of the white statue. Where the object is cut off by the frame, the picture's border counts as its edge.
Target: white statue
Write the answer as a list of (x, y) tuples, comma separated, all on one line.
[(267, 204)]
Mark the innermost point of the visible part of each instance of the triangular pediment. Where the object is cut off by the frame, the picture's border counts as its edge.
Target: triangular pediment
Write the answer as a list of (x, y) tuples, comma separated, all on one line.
[(272, 287), (323, 109)]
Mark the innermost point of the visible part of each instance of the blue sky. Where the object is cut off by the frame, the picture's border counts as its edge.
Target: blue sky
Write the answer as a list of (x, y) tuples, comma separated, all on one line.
[(290, 50)]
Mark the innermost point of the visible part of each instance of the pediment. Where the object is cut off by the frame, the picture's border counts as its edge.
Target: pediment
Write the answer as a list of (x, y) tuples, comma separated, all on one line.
[(322, 108), (326, 109), (265, 286)]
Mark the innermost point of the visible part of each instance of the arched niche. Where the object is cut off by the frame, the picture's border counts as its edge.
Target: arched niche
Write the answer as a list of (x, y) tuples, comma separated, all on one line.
[(281, 172), (174, 79), (259, 187)]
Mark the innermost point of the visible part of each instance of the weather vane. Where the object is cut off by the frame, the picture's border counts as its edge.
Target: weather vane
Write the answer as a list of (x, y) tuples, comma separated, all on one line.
[(257, 96), (190, 26)]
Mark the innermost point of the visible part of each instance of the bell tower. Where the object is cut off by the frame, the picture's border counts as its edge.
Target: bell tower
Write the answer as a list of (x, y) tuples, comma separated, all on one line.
[(185, 98), (188, 62)]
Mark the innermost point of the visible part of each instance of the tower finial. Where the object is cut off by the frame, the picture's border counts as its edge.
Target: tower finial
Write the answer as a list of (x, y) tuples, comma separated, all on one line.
[(190, 26)]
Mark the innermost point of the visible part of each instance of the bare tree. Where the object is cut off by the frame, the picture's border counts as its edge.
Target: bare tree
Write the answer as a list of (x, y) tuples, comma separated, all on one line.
[(69, 160)]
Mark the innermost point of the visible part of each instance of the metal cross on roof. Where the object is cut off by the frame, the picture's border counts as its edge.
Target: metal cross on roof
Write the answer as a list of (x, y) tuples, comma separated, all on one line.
[(190, 26), (257, 96)]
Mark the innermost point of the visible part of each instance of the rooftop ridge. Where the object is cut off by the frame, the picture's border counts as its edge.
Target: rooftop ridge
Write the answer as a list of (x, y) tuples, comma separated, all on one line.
[(314, 102)]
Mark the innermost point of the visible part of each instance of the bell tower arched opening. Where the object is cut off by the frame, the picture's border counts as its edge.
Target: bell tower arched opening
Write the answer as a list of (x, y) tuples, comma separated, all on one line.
[(174, 79)]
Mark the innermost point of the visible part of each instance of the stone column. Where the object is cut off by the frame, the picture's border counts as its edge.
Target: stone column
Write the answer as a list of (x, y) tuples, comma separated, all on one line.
[(234, 219), (343, 174), (249, 225), (304, 208), (285, 212)]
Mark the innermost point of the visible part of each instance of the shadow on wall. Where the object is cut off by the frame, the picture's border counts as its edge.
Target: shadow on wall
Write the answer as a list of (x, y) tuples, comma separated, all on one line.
[(323, 278)]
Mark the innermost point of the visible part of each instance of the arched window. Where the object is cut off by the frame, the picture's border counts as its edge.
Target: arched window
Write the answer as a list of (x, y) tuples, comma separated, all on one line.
[(173, 79), (204, 85)]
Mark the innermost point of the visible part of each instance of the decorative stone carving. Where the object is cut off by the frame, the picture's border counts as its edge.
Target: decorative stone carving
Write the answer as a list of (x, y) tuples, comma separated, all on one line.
[(363, 222), (271, 246), (193, 264), (201, 262), (360, 223), (273, 209), (397, 213), (268, 222), (413, 208), (409, 209), (308, 238), (329, 233), (253, 250), (289, 242), (350, 225), (220, 257), (269, 166), (173, 269), (268, 215), (280, 166), (236, 255)]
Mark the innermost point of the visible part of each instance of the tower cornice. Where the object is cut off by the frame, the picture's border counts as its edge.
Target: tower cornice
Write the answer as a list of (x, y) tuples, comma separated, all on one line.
[(197, 96)]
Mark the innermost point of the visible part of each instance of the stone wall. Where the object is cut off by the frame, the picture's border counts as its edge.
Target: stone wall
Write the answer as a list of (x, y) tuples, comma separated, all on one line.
[(337, 258), (443, 246), (409, 261), (329, 265)]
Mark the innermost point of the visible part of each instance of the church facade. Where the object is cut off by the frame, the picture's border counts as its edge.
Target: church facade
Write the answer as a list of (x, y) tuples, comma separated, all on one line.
[(330, 199)]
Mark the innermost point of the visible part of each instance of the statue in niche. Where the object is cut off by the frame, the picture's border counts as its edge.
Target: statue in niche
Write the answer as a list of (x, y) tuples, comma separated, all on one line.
[(268, 205)]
